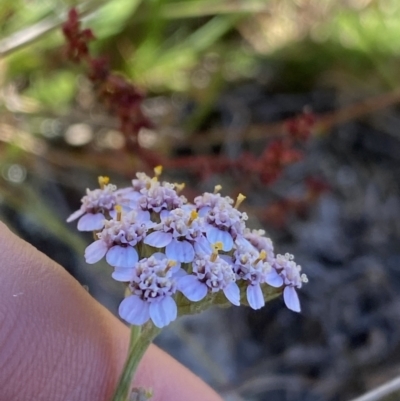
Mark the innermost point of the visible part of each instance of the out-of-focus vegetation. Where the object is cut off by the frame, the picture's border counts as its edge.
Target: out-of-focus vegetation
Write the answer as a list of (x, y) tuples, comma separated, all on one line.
[(200, 62), (184, 54)]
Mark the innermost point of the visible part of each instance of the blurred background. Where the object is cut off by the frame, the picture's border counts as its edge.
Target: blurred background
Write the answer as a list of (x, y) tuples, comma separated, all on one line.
[(217, 88)]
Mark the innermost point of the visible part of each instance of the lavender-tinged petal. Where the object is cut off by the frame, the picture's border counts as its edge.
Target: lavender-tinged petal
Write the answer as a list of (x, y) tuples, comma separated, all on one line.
[(203, 245), (243, 242), (164, 214), (123, 274), (204, 210), (122, 256), (227, 259), (163, 312), (291, 299), (255, 296), (159, 255), (192, 288), (216, 235), (274, 279), (158, 239), (181, 251), (188, 207), (143, 216), (178, 273), (91, 222), (132, 195), (134, 310), (95, 251), (232, 292), (75, 215)]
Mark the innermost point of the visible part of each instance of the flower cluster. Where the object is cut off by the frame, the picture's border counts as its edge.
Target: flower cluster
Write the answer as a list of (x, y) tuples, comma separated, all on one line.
[(167, 249)]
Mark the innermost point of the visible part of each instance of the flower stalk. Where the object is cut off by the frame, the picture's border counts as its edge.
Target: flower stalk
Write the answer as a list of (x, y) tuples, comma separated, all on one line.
[(141, 338)]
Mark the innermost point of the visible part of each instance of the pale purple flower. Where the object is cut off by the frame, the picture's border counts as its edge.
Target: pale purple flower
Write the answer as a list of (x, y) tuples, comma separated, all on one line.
[(210, 276), (117, 242), (160, 197), (210, 200), (292, 279), (153, 283), (225, 223), (260, 242), (251, 266), (95, 208), (141, 181), (179, 232)]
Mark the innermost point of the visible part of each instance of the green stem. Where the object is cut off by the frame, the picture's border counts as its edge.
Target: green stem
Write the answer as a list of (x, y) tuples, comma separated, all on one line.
[(141, 338)]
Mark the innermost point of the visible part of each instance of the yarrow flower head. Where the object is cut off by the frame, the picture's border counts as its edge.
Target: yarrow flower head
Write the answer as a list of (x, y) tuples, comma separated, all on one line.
[(181, 257)]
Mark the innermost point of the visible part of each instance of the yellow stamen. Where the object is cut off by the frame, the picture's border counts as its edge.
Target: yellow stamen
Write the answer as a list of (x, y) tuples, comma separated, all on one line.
[(217, 188), (193, 216), (240, 198), (158, 170), (262, 256), (171, 264), (118, 209), (179, 187), (216, 247), (103, 181)]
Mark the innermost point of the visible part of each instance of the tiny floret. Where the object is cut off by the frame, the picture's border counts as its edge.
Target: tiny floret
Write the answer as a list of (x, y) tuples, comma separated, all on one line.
[(152, 286)]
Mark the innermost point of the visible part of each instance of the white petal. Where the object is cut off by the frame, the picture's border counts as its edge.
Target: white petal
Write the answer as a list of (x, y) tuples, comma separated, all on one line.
[(123, 274), (216, 235), (181, 251), (274, 279), (291, 299), (95, 251), (158, 239), (122, 256), (192, 288), (255, 296), (232, 292), (91, 222), (134, 310), (163, 312), (203, 245), (75, 215)]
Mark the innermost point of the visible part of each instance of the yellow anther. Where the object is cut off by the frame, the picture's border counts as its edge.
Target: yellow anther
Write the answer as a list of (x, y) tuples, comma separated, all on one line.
[(217, 188), (193, 216), (171, 264), (216, 247), (158, 170), (240, 198), (118, 209), (103, 181), (262, 256), (179, 187)]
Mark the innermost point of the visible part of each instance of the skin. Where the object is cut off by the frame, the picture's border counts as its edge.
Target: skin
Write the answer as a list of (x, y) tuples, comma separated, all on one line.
[(58, 344)]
